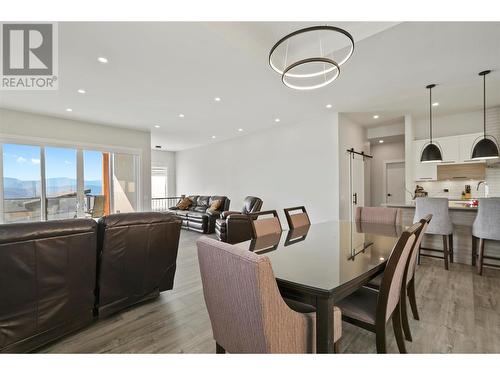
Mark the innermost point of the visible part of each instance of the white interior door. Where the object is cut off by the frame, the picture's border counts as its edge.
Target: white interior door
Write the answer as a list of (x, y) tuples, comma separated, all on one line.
[(395, 183)]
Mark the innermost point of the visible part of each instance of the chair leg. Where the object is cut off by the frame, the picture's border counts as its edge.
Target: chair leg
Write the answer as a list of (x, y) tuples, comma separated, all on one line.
[(474, 251), (446, 253), (336, 347), (413, 299), (450, 241), (380, 338), (398, 332), (480, 257), (219, 349), (404, 317)]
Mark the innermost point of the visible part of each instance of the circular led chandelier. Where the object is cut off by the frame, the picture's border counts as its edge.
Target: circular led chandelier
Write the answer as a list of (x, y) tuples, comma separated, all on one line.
[(307, 59)]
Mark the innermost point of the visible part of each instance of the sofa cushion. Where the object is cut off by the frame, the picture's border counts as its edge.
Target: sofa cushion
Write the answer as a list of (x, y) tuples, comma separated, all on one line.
[(202, 200)]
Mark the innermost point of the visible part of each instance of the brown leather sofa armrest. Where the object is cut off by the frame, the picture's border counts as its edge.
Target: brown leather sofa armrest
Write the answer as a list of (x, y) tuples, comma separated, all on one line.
[(225, 214), (238, 228)]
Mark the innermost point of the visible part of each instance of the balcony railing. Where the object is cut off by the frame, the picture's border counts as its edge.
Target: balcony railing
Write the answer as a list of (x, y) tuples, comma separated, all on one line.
[(162, 204)]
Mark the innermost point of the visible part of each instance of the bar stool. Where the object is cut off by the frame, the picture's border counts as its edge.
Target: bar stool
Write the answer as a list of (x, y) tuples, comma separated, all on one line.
[(485, 227), (440, 225)]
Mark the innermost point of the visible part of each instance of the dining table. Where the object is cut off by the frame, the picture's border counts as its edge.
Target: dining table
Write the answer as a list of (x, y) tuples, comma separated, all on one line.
[(320, 264)]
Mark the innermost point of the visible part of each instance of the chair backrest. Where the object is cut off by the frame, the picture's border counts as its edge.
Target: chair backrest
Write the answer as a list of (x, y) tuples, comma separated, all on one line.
[(297, 220), (137, 257), (390, 288), (488, 216), (47, 281), (247, 312), (265, 226), (412, 260), (439, 209), (98, 207), (251, 204), (378, 215)]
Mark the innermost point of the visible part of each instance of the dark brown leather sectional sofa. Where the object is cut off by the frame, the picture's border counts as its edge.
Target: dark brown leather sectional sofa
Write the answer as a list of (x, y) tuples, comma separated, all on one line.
[(196, 217), (59, 276)]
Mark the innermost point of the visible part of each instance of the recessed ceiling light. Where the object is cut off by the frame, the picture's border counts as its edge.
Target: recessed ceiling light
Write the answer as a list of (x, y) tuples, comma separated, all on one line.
[(81, 91), (375, 116), (69, 110), (435, 104), (213, 137), (381, 141), (277, 120), (157, 126), (240, 129), (102, 60), (217, 99), (181, 115), (328, 106)]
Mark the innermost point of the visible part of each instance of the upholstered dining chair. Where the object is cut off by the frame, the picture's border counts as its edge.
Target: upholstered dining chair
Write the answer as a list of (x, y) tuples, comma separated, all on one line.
[(441, 225), (378, 215), (247, 312), (265, 226), (371, 309), (297, 219), (485, 228), (409, 283)]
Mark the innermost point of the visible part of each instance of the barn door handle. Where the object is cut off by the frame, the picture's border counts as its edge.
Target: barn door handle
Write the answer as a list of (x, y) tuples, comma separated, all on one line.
[(355, 200)]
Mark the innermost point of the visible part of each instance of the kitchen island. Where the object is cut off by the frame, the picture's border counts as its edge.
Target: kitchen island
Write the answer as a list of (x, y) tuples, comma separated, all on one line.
[(462, 219)]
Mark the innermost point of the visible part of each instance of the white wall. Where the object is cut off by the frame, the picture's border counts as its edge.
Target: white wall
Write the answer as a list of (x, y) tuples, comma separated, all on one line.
[(287, 165), (33, 128), (383, 152), (166, 159), (351, 135), (443, 126)]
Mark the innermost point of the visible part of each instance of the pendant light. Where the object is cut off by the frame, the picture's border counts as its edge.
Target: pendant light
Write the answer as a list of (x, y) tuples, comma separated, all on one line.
[(486, 148), (431, 152)]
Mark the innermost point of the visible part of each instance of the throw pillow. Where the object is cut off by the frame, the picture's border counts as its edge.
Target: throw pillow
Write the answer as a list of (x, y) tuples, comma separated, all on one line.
[(184, 204), (215, 205)]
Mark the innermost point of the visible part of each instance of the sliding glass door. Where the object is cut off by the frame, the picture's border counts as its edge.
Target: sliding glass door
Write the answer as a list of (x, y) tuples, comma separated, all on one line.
[(48, 183), (60, 183), (21, 183)]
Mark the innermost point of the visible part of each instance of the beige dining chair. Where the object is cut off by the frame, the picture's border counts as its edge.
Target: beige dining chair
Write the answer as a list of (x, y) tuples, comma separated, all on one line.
[(409, 280), (378, 215), (371, 309), (246, 310), (297, 219), (267, 225)]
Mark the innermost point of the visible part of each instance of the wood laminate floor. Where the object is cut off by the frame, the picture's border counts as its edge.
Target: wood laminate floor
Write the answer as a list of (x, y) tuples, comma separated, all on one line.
[(459, 310)]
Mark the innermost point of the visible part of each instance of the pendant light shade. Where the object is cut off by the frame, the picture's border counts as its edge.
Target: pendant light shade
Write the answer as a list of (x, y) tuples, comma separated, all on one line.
[(431, 152), (486, 147)]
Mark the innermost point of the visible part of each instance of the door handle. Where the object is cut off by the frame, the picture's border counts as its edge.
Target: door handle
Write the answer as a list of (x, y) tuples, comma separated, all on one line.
[(355, 200), (389, 195)]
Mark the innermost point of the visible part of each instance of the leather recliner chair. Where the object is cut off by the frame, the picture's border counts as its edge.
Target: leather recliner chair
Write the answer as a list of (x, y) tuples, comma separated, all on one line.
[(234, 226), (137, 255), (47, 281)]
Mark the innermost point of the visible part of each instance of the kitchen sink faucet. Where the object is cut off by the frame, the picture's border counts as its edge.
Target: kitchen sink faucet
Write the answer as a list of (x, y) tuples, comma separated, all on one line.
[(486, 188)]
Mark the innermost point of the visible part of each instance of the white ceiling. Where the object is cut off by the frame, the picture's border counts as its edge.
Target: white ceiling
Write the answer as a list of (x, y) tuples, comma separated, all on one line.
[(158, 70)]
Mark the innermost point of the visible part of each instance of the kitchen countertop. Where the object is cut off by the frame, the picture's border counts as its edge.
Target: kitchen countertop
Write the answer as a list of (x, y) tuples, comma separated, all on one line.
[(452, 208)]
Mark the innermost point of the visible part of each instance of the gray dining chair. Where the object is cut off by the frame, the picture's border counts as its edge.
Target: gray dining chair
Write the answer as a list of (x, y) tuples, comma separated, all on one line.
[(371, 309), (378, 215), (440, 225), (246, 310), (486, 227)]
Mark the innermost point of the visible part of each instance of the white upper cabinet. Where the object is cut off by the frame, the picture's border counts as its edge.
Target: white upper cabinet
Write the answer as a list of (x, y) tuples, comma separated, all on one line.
[(450, 148), (456, 150), (423, 171)]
